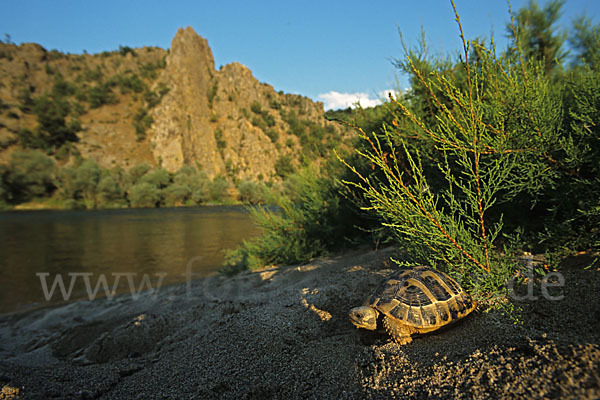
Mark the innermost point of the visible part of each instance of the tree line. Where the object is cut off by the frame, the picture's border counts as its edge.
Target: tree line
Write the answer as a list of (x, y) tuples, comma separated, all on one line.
[(31, 175)]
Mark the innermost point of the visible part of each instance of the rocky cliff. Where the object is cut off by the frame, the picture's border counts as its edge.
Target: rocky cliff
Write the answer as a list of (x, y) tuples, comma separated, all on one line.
[(169, 108)]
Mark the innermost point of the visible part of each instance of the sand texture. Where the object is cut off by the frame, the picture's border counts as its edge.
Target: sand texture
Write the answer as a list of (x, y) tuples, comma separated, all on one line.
[(283, 333)]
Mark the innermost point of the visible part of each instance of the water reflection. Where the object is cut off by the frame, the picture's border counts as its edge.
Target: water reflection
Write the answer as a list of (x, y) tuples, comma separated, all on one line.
[(146, 241)]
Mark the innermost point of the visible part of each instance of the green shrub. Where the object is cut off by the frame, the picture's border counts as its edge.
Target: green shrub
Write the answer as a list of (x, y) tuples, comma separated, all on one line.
[(144, 195), (274, 104), (141, 122), (62, 88), (157, 177), (176, 195), (219, 189), (87, 177), (53, 130), (149, 70), (26, 102), (273, 134), (284, 166), (137, 172), (297, 127), (268, 118), (212, 93), (101, 94), (221, 143), (252, 192), (129, 83), (124, 50), (441, 181), (255, 107), (30, 175), (110, 193), (259, 122), (79, 185), (305, 225)]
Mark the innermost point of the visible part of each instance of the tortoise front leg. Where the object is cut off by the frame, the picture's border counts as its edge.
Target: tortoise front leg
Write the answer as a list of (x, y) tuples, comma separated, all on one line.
[(399, 332)]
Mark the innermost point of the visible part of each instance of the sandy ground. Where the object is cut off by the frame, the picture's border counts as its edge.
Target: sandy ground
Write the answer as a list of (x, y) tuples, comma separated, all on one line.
[(284, 333)]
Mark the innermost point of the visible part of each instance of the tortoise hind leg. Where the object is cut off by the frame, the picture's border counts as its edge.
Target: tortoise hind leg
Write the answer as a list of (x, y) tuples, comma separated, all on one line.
[(399, 332)]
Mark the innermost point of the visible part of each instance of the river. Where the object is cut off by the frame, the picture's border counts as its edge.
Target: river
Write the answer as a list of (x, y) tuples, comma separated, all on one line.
[(36, 247)]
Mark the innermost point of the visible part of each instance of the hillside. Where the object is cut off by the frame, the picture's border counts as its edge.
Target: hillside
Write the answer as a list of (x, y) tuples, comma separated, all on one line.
[(166, 108)]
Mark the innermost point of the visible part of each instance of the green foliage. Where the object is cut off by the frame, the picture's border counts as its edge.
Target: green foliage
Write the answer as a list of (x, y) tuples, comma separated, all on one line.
[(212, 92), (252, 193), (130, 83), (284, 166), (5, 192), (197, 181), (534, 34), (93, 75), (255, 107), (62, 88), (297, 128), (152, 98), (136, 173), (303, 226), (141, 122), (274, 104), (124, 50), (144, 195), (484, 143), (101, 94), (572, 199), (177, 194), (157, 177), (149, 70), (219, 189), (273, 134), (110, 194), (263, 119), (26, 102), (221, 143), (53, 129), (86, 181), (29, 176), (586, 41), (259, 122), (79, 184)]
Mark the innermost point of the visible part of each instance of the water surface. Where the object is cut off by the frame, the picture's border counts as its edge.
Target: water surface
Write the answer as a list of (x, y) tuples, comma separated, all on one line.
[(140, 241)]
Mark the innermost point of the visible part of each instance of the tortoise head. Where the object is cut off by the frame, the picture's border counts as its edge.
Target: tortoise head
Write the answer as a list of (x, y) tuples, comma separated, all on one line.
[(364, 317)]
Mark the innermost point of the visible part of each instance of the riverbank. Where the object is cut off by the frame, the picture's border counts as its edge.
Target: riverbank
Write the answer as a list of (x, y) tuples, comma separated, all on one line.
[(284, 333), (52, 204)]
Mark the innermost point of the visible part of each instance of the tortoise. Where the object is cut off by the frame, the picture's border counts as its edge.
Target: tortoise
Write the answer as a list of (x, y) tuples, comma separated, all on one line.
[(413, 301)]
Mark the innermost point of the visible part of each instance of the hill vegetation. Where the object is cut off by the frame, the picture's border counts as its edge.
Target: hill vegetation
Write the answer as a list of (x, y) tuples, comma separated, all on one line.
[(77, 130)]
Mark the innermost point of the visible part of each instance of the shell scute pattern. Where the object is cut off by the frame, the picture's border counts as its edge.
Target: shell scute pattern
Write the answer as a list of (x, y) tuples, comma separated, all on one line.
[(421, 297)]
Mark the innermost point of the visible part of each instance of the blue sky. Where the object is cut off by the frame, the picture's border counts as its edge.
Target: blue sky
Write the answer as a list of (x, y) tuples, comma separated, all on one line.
[(326, 50)]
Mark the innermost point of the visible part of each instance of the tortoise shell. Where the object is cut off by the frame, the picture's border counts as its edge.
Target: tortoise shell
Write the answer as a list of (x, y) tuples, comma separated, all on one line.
[(422, 298)]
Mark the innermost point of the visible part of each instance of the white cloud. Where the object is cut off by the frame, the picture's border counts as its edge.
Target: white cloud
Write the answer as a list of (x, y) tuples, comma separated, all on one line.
[(333, 100)]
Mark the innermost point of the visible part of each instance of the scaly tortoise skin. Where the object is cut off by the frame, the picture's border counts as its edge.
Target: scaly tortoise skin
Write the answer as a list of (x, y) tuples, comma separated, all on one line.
[(414, 301)]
